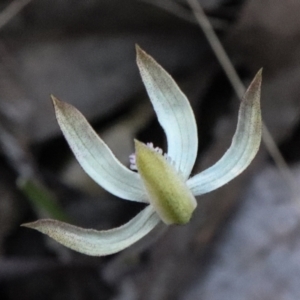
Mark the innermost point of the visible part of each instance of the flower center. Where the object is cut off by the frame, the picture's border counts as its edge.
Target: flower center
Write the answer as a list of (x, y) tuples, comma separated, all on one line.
[(132, 157)]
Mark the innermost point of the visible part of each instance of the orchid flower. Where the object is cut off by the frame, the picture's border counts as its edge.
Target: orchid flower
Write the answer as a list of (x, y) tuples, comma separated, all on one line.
[(162, 181)]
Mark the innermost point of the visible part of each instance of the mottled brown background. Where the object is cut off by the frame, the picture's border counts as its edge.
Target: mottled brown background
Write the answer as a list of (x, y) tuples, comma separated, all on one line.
[(243, 242)]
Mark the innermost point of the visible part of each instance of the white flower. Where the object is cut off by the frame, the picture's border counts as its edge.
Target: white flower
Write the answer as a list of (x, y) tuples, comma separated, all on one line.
[(162, 182)]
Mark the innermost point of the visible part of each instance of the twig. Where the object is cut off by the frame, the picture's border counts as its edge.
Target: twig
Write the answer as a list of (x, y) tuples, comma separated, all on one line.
[(175, 9), (217, 47), (11, 10), (239, 87)]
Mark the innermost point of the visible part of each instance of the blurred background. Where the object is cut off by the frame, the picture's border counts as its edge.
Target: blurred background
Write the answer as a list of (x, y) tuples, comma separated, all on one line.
[(244, 239)]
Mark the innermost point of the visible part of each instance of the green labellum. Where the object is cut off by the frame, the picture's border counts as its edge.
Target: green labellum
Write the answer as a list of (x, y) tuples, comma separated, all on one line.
[(167, 191)]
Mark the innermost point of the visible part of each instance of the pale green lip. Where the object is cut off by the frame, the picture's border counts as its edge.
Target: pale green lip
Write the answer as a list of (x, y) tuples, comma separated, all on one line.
[(166, 188)]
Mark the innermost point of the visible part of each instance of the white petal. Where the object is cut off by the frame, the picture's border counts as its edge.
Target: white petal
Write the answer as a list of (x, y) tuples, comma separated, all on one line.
[(99, 243), (173, 111), (244, 146), (95, 157)]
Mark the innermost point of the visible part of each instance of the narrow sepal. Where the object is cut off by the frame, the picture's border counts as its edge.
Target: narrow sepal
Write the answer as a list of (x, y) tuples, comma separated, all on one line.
[(99, 243), (173, 111), (244, 146), (94, 155)]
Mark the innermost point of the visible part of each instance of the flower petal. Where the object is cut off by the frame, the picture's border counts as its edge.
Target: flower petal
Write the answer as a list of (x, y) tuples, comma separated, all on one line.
[(173, 111), (95, 157), (244, 146), (99, 243)]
